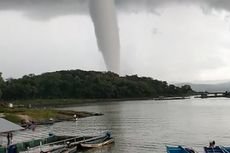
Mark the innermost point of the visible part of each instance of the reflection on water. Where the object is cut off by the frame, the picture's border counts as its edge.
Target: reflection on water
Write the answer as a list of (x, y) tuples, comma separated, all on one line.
[(147, 126)]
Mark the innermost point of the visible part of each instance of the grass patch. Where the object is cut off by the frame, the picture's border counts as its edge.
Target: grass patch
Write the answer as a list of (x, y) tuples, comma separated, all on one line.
[(10, 110), (17, 114), (51, 102), (13, 118), (41, 114)]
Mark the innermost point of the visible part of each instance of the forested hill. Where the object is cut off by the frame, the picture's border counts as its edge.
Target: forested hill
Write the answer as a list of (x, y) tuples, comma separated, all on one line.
[(86, 84)]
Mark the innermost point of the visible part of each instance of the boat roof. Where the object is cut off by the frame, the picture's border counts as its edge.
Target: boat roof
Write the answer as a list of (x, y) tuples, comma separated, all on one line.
[(217, 149), (179, 149), (7, 126), (174, 149)]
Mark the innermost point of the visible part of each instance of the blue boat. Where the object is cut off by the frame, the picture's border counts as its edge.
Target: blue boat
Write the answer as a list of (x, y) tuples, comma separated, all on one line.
[(179, 149), (217, 149)]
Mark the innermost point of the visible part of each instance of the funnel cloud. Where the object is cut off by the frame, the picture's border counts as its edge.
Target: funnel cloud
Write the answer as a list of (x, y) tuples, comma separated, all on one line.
[(158, 37), (104, 17), (103, 14)]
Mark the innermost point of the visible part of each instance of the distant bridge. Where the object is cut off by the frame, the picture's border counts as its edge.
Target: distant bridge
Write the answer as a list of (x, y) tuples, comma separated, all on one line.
[(214, 94)]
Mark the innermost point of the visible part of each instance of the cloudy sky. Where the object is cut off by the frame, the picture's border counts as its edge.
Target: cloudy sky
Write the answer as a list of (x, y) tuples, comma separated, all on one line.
[(172, 40)]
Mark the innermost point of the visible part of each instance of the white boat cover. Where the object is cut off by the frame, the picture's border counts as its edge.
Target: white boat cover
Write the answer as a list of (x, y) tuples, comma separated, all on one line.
[(7, 126)]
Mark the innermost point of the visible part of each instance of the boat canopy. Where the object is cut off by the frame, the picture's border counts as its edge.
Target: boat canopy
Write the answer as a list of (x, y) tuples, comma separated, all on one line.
[(7, 126)]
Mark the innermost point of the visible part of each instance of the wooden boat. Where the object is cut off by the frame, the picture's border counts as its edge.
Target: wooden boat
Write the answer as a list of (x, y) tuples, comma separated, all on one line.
[(179, 149), (98, 142), (50, 144), (217, 149), (49, 149), (60, 149), (69, 150)]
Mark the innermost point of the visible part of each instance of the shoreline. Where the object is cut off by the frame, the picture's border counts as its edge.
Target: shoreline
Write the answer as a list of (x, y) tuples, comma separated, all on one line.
[(44, 111), (62, 103), (42, 116), (57, 103)]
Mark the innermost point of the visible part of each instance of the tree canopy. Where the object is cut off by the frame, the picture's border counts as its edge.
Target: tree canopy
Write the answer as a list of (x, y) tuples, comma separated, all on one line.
[(86, 84), (1, 84)]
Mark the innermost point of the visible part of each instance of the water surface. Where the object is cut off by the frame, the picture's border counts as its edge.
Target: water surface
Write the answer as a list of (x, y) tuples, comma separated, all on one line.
[(147, 126)]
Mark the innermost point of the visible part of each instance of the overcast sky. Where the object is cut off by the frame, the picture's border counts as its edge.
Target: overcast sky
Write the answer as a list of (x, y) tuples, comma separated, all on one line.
[(172, 40)]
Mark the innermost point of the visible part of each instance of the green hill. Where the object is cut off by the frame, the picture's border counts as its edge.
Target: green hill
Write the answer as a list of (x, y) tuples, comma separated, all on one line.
[(86, 85)]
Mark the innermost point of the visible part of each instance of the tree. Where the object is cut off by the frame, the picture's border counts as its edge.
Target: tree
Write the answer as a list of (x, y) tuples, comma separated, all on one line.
[(86, 84), (186, 89), (0, 93), (1, 84)]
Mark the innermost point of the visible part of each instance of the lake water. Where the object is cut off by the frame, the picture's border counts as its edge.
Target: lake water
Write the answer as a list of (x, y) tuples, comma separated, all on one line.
[(147, 126)]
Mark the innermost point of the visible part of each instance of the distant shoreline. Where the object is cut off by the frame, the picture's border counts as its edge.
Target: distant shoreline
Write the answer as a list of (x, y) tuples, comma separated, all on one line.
[(55, 103), (41, 110)]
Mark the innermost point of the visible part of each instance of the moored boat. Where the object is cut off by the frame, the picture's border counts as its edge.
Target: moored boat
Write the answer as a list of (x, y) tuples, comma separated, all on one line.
[(212, 149), (179, 149), (98, 142), (50, 144), (217, 149), (69, 150)]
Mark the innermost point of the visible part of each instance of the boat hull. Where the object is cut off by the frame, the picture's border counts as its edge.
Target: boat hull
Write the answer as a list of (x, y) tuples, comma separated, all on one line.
[(178, 149), (96, 145), (217, 149)]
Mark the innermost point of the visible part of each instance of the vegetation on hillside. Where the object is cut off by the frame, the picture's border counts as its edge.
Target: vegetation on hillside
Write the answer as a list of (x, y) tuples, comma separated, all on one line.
[(1, 84), (86, 85)]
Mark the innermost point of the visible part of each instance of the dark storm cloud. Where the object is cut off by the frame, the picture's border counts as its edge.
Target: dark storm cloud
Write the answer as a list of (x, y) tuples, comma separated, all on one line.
[(45, 9), (213, 35)]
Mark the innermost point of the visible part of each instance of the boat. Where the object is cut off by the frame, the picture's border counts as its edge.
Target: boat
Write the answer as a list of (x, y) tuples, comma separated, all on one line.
[(98, 141), (72, 149), (59, 149), (179, 149), (50, 144), (217, 149)]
